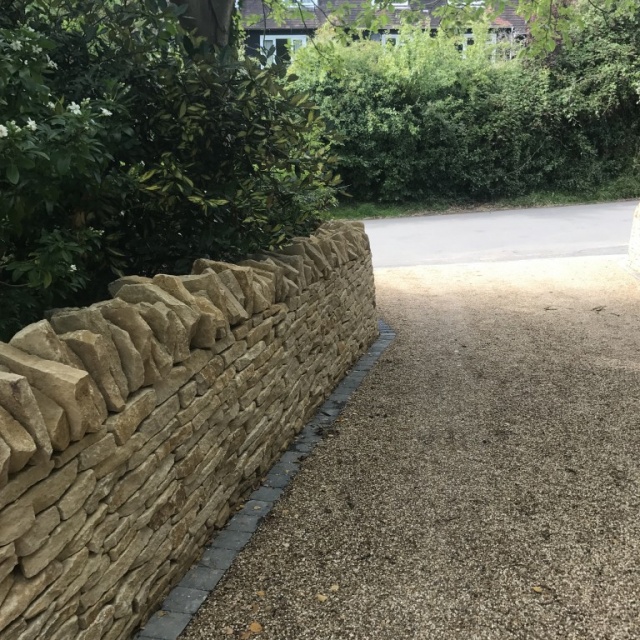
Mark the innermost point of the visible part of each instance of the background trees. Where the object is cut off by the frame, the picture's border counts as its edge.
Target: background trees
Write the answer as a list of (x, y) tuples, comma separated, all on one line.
[(424, 120)]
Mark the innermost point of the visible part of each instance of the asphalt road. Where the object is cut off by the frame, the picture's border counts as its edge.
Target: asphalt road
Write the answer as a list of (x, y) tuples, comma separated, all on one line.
[(581, 230)]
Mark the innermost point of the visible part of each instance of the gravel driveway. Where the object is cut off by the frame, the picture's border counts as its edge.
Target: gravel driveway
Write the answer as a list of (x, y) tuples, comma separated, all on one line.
[(484, 482)]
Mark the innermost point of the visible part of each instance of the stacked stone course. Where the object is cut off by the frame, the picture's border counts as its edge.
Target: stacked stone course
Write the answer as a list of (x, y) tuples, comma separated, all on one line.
[(131, 429)]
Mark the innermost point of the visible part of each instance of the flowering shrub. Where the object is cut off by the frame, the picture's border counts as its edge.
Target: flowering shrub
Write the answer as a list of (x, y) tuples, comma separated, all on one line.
[(128, 146)]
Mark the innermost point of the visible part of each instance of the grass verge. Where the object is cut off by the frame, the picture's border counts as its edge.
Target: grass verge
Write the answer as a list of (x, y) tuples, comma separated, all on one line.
[(624, 188)]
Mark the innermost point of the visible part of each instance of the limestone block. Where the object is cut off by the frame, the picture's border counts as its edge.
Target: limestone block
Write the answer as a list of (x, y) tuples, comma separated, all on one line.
[(130, 357), (327, 247), (169, 385), (266, 268), (130, 483), (55, 420), (231, 354), (311, 254), (23, 480), (209, 283), (116, 570), (16, 398), (37, 534), (24, 591), (16, 520), (209, 374), (61, 536), (167, 328), (77, 494), (7, 566), (116, 285), (229, 281), (152, 293), (98, 452), (39, 339), (213, 323), (58, 591), (140, 405), (211, 319), (68, 629), (222, 345), (187, 394), (5, 586), (92, 349), (17, 439), (100, 623), (47, 492), (90, 319), (84, 536), (236, 313), (262, 296), (240, 332), (246, 359), (68, 386), (260, 332), (156, 359), (5, 461), (293, 265)]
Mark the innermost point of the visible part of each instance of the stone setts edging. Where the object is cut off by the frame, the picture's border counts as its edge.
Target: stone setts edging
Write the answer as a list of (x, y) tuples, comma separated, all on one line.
[(186, 598), (131, 429)]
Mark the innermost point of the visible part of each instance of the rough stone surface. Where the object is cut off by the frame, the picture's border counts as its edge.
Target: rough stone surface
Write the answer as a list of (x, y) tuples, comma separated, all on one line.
[(106, 511), (69, 387)]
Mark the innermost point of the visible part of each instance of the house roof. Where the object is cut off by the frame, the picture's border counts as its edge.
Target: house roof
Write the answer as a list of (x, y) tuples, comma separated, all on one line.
[(256, 16)]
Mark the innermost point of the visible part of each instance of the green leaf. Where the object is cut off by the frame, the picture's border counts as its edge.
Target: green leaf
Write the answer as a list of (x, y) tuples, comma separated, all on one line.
[(13, 174)]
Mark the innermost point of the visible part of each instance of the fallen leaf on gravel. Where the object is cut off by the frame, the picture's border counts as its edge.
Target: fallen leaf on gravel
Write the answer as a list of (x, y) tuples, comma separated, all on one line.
[(228, 631), (537, 589), (255, 627), (334, 587), (320, 597), (261, 594)]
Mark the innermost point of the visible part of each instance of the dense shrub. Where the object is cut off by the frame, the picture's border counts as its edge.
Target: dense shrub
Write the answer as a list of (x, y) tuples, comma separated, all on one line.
[(427, 119), (129, 146)]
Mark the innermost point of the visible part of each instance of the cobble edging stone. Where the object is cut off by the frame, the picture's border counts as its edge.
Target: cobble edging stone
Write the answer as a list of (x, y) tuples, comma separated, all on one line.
[(185, 599), (130, 430)]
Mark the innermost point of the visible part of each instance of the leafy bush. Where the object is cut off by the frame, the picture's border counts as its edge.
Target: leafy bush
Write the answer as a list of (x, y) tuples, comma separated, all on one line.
[(129, 146), (429, 119)]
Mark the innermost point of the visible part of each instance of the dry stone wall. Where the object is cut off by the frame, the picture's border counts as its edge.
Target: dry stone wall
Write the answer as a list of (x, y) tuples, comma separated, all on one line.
[(129, 430)]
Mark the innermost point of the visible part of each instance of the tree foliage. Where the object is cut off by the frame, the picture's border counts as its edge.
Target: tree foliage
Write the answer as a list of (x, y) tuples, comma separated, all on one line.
[(128, 145), (426, 119)]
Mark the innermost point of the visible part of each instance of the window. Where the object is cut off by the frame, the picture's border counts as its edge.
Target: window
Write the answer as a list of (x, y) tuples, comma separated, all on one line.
[(279, 48), (391, 38)]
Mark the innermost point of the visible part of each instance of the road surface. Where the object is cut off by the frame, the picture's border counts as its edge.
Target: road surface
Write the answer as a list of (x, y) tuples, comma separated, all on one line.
[(581, 230)]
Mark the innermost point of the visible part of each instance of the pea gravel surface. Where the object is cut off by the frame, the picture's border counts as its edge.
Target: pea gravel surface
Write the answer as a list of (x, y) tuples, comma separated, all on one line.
[(483, 482)]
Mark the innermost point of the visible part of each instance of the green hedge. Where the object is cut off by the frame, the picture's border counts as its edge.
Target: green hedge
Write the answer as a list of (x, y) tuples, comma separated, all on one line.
[(426, 119)]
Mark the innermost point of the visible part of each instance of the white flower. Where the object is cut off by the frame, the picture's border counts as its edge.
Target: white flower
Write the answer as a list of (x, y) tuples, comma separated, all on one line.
[(72, 268), (51, 64), (4, 132), (51, 105), (105, 112), (31, 124), (74, 108), (37, 49), (16, 45)]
